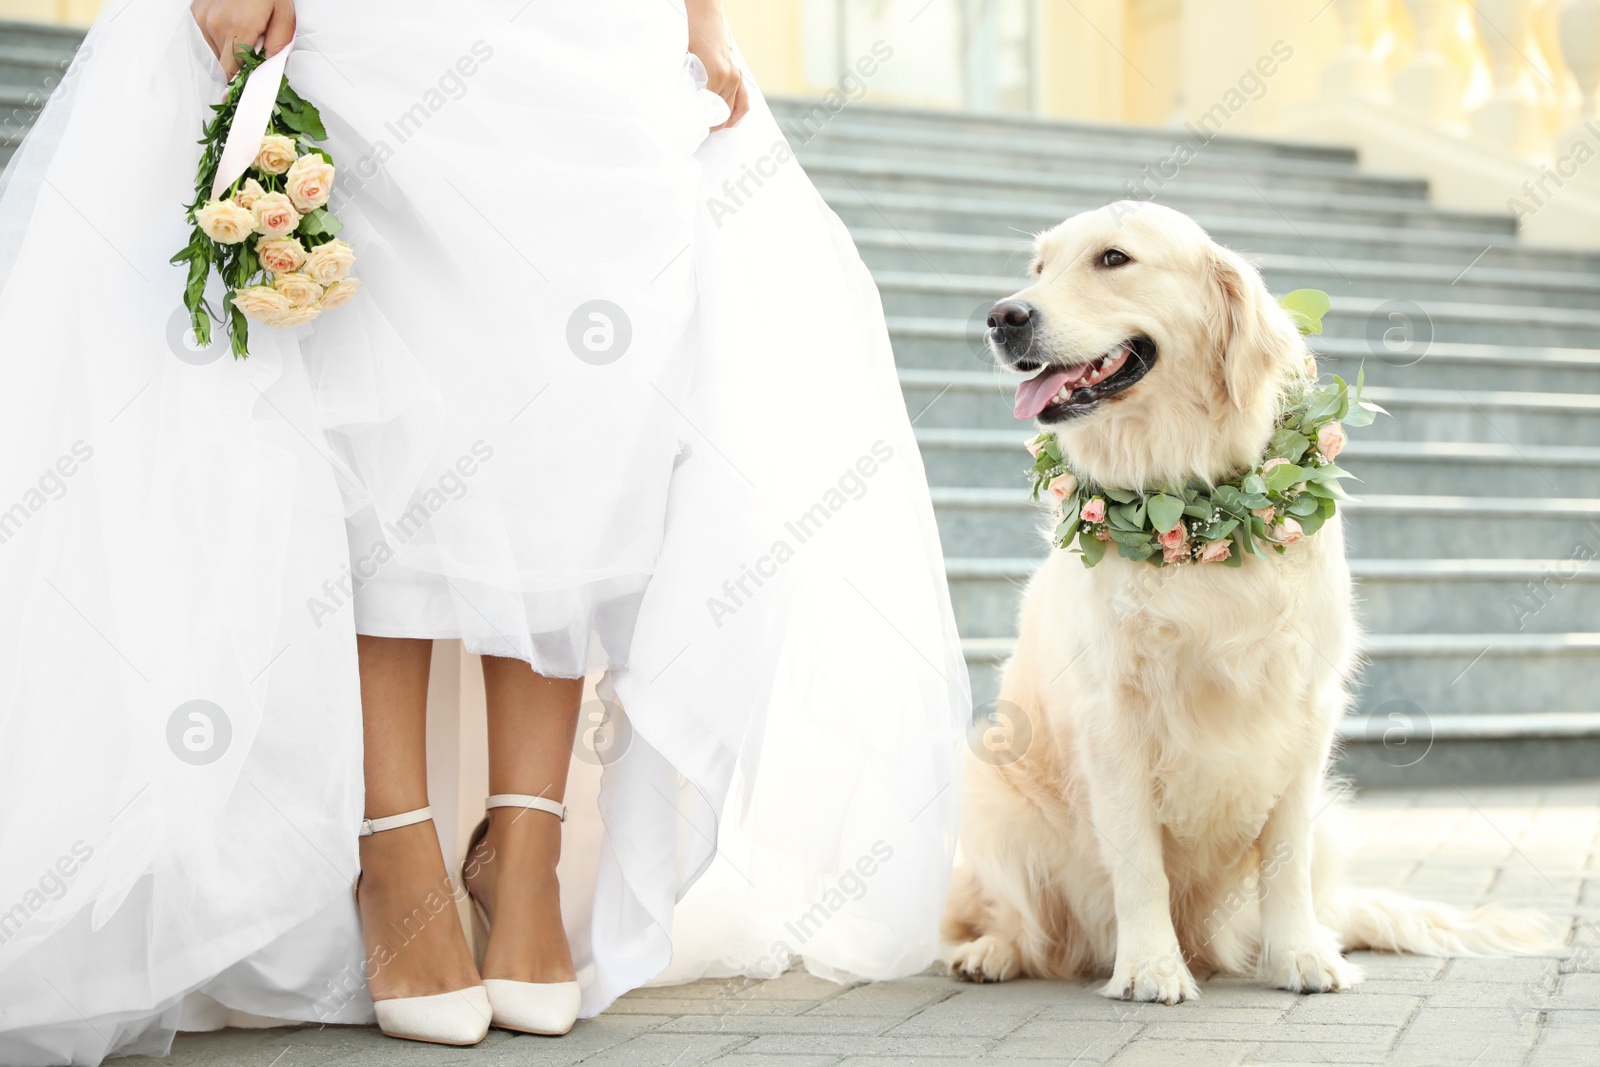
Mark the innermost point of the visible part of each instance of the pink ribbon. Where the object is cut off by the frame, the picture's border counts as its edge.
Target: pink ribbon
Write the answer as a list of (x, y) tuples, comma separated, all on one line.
[(250, 120)]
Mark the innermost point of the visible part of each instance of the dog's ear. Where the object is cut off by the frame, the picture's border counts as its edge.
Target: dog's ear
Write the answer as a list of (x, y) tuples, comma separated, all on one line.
[(1256, 334)]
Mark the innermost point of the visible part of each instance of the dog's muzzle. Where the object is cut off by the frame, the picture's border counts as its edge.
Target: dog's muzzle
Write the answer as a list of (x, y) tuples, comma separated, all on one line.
[(1011, 334)]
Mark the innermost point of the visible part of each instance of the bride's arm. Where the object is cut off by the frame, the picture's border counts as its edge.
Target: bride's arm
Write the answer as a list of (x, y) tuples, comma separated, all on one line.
[(228, 24), (708, 39)]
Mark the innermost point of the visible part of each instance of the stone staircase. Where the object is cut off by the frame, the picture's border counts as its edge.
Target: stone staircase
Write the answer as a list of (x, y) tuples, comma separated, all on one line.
[(1477, 529), (33, 60), (1477, 532)]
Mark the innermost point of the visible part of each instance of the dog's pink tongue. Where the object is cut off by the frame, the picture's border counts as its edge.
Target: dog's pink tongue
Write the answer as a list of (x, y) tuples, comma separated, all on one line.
[(1033, 395)]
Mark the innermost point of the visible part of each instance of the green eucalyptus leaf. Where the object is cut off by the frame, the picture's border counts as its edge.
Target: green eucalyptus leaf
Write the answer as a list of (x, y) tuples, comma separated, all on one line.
[(1165, 512), (1283, 476), (1306, 307)]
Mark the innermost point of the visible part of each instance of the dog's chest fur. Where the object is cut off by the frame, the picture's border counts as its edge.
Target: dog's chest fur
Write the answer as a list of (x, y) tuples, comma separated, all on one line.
[(1211, 680)]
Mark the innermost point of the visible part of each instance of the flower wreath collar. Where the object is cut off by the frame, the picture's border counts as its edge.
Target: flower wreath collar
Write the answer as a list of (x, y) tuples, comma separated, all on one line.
[(1287, 495)]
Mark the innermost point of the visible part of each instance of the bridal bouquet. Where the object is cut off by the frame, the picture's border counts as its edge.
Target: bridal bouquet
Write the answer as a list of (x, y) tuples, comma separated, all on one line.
[(260, 212)]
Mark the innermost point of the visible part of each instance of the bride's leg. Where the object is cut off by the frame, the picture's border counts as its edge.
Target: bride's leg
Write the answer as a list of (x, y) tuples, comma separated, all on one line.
[(415, 944), (531, 723)]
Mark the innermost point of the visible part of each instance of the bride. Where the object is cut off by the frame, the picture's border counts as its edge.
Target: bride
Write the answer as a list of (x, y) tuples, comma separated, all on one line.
[(576, 421)]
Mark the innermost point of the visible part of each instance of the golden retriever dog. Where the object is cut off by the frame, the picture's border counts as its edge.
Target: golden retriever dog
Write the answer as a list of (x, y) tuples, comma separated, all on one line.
[(1166, 818)]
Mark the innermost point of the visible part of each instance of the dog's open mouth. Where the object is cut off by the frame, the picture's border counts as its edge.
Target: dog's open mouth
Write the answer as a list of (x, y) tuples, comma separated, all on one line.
[(1058, 393)]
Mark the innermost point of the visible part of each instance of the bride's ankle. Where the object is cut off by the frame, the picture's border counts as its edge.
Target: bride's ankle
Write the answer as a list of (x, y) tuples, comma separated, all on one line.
[(523, 853)]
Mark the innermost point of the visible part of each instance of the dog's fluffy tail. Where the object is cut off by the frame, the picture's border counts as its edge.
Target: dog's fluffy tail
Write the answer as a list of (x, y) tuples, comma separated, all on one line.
[(1391, 922)]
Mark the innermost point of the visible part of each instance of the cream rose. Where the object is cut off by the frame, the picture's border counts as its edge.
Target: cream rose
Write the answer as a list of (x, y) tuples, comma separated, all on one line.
[(281, 255), (298, 316), (1331, 440), (1063, 486), (1287, 532), (330, 262), (1095, 510), (225, 222), (249, 193), (275, 215), (340, 293), (261, 302), (1216, 551), (1034, 447), (1175, 553), (276, 154), (309, 182), (298, 289), (1264, 514)]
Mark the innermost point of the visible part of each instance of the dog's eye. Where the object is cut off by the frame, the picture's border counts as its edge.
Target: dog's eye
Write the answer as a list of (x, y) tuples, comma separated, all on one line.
[(1113, 257)]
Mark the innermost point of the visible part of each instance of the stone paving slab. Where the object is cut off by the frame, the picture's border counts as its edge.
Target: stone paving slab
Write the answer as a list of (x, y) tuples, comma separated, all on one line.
[(1518, 846)]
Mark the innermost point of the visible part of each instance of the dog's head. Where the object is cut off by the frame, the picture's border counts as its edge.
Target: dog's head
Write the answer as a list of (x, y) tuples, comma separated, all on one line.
[(1155, 354)]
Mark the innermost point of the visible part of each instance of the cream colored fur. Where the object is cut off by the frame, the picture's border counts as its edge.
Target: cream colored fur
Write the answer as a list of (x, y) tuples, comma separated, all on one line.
[(1168, 816)]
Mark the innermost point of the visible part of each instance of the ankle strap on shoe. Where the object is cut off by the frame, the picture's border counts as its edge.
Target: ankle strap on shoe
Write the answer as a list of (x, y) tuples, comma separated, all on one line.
[(394, 822), (522, 800)]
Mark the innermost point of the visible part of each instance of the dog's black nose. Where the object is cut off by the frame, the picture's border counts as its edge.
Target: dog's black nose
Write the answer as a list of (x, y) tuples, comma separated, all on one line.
[(1010, 315)]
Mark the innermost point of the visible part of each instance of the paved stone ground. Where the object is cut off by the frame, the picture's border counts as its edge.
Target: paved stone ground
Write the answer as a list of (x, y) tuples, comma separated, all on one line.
[(1535, 847)]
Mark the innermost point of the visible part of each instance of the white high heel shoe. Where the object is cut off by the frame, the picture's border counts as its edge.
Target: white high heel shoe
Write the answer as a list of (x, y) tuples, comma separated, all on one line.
[(547, 1008), (459, 1017)]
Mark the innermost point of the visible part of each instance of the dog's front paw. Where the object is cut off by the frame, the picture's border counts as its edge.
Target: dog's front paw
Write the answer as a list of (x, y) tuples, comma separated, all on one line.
[(1161, 978), (1311, 967), (988, 959)]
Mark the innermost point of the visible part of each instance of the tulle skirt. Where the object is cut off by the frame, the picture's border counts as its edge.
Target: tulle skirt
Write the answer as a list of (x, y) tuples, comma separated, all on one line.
[(616, 399)]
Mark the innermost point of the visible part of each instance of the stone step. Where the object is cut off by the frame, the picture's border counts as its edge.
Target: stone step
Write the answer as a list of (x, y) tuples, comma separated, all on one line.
[(871, 177), (1261, 232), (1394, 596), (1427, 675), (1125, 163), (1390, 329), (930, 343), (1003, 522), (17, 35), (983, 400), (30, 67), (1010, 128), (956, 255), (959, 456)]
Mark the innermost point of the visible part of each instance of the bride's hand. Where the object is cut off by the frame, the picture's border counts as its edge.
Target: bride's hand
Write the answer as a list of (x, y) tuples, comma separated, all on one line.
[(708, 39), (231, 24)]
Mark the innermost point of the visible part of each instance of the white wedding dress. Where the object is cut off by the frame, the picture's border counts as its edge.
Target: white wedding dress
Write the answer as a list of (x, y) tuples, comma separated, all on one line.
[(709, 493)]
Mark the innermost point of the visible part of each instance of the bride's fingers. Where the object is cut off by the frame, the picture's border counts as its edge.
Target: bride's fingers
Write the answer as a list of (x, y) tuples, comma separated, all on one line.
[(230, 65), (738, 108), (280, 28)]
